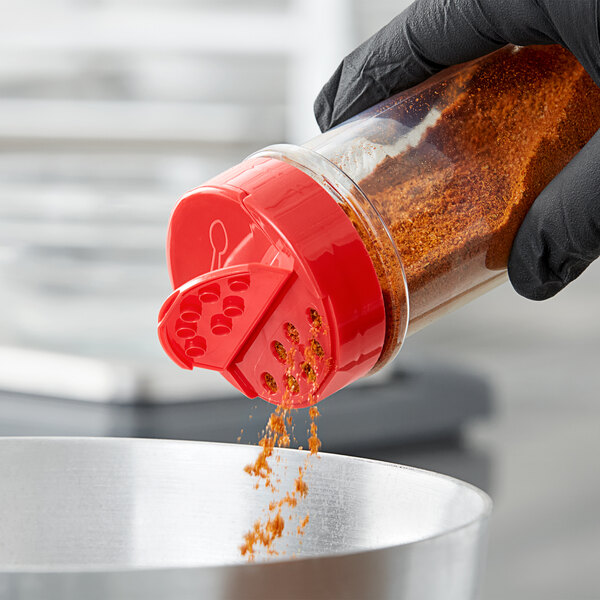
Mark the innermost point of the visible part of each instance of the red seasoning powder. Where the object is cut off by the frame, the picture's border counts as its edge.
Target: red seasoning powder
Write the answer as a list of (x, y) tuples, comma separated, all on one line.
[(453, 201)]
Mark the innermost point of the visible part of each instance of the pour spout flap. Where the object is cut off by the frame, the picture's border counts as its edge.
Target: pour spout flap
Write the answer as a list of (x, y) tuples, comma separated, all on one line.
[(206, 322)]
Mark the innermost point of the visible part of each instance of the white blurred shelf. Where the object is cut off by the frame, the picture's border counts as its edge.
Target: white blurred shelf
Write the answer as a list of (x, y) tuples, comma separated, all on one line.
[(109, 112), (134, 122), (119, 29)]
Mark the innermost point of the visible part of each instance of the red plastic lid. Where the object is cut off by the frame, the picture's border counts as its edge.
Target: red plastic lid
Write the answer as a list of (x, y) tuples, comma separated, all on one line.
[(273, 286)]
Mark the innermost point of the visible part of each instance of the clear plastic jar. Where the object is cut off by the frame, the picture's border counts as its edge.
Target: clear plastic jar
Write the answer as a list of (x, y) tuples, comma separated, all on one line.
[(291, 298), (437, 179)]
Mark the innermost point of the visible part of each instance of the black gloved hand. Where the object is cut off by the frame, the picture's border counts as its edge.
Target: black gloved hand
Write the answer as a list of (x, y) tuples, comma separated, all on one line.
[(560, 235)]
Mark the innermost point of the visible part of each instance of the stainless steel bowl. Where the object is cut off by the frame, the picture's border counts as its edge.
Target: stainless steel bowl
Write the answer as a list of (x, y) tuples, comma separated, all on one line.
[(107, 518)]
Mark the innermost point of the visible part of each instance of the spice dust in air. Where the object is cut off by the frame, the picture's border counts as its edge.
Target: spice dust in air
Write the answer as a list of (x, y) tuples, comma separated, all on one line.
[(278, 433)]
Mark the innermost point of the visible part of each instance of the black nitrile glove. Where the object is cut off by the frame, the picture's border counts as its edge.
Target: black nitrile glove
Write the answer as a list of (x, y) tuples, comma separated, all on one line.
[(560, 235)]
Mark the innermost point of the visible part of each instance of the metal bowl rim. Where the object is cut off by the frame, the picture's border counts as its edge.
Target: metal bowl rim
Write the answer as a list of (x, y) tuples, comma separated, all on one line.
[(482, 516)]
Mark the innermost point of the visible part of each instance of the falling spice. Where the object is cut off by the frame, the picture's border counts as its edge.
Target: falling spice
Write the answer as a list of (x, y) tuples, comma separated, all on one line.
[(303, 525), (314, 444), (456, 164), (266, 531)]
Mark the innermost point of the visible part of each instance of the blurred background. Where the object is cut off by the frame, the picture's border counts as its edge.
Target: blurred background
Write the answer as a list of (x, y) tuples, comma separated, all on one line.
[(109, 111)]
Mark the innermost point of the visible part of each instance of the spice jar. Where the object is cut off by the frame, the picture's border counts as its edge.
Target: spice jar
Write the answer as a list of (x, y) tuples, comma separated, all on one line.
[(372, 230)]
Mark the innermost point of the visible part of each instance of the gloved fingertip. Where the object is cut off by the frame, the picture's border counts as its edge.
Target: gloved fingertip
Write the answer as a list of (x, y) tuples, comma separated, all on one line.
[(529, 278), (530, 289), (323, 111)]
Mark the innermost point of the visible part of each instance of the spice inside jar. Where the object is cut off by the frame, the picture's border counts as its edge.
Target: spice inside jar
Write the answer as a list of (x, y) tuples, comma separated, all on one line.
[(452, 167)]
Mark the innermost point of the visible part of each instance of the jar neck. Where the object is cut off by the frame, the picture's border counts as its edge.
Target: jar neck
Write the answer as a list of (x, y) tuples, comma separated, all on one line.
[(372, 230)]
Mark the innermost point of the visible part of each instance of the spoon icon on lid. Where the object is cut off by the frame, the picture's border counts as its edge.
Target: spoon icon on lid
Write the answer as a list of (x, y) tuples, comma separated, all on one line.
[(219, 242)]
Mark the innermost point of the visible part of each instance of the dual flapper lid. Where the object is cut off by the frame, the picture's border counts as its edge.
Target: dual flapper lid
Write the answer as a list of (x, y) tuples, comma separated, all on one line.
[(274, 287)]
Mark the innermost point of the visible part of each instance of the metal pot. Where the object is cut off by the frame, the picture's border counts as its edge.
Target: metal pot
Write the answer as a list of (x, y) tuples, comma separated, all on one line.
[(108, 518)]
